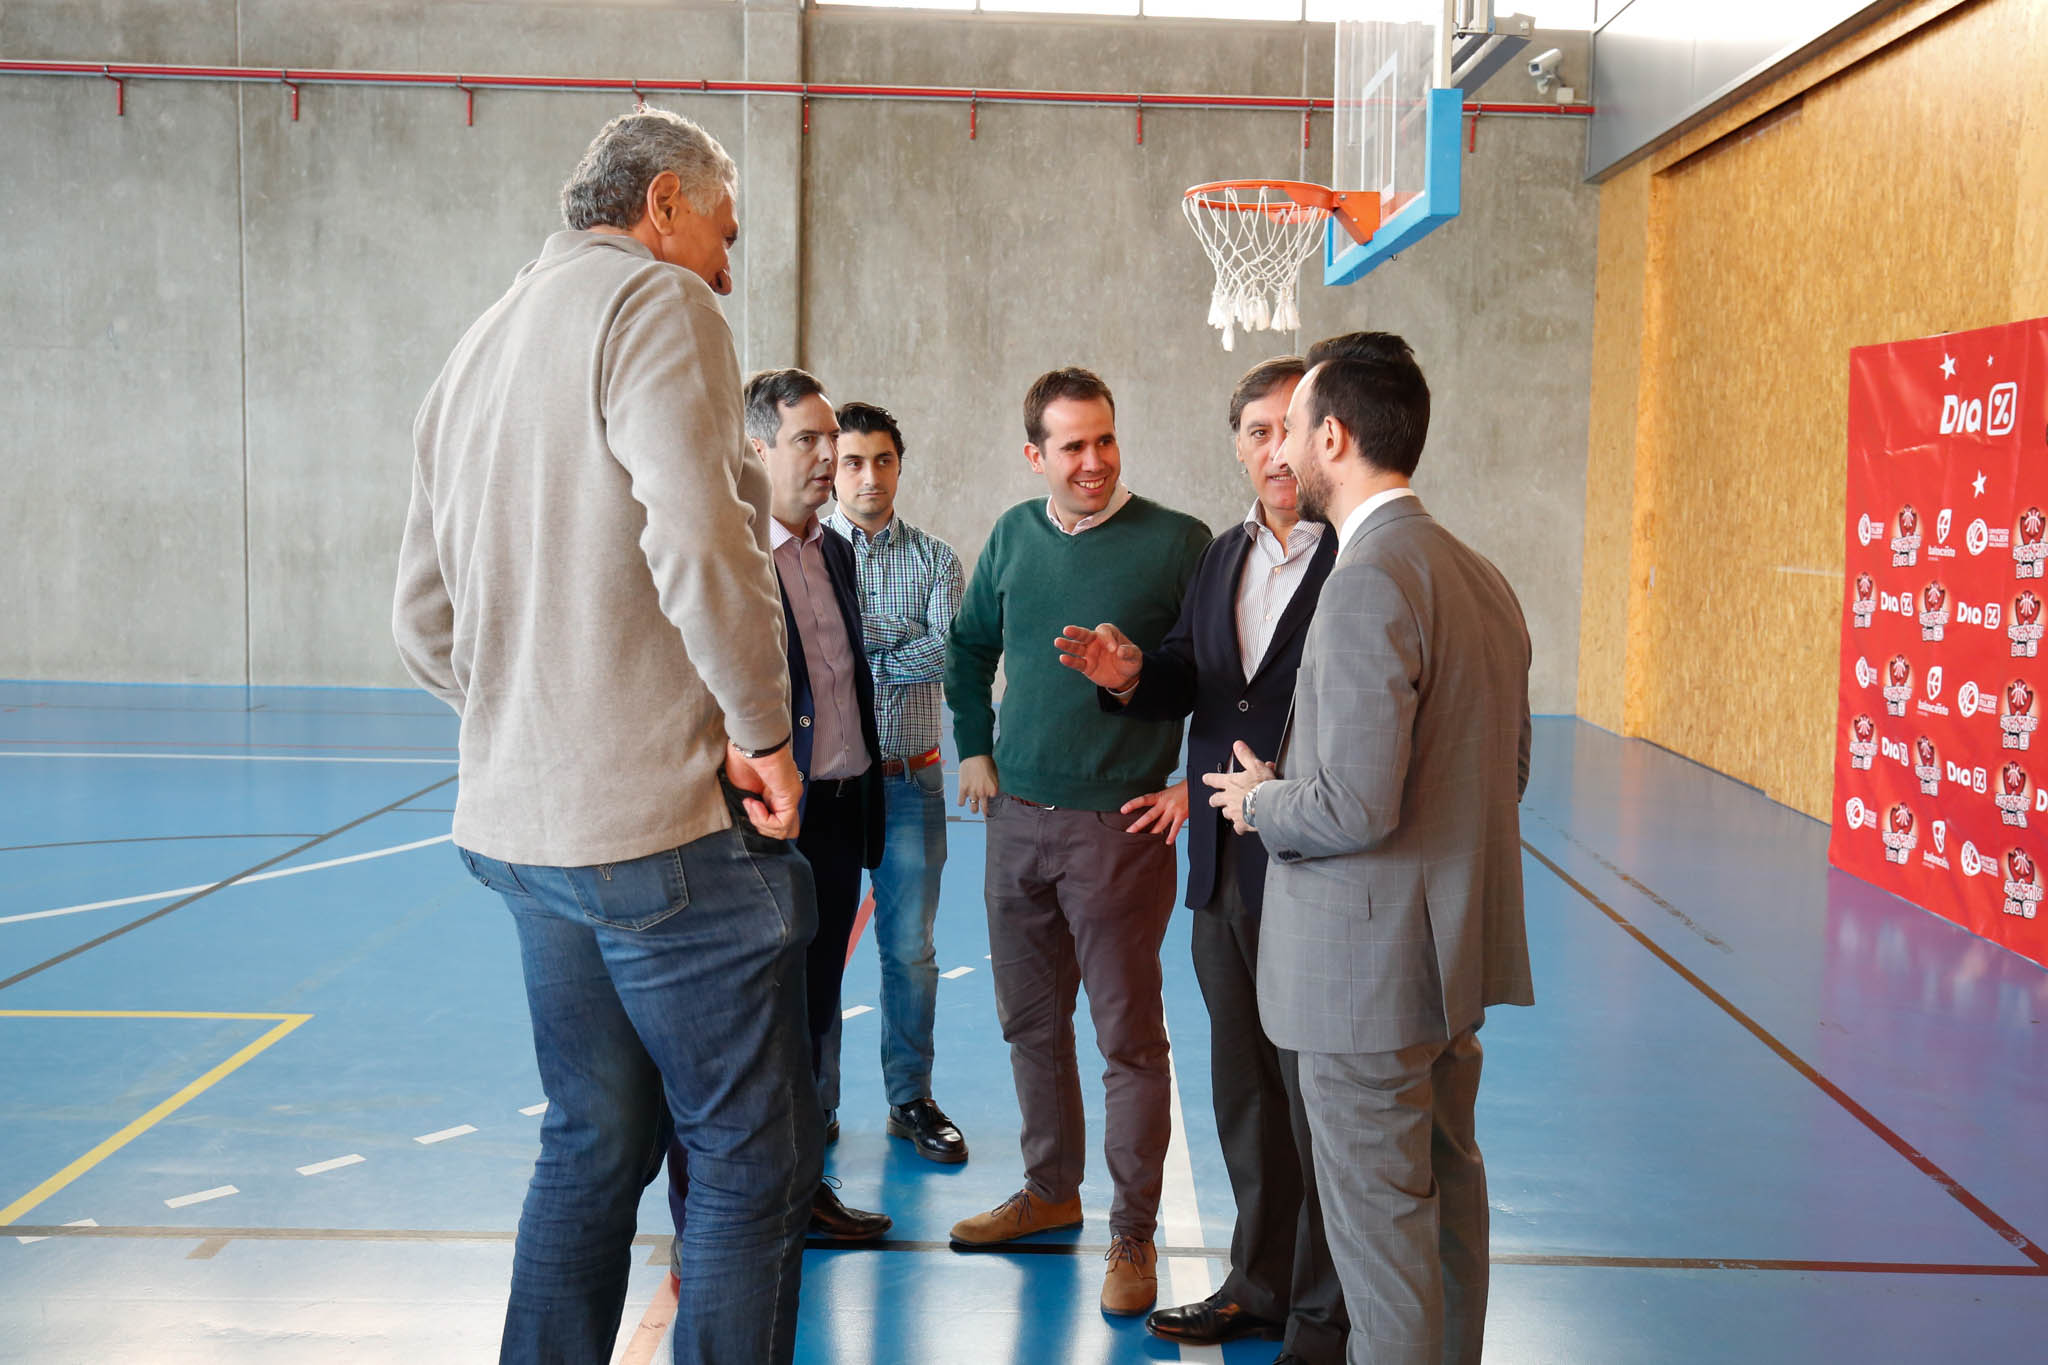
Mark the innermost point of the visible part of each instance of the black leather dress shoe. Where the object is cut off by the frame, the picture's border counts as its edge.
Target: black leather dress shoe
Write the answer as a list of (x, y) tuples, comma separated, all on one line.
[(1213, 1320), (830, 1218), (931, 1133)]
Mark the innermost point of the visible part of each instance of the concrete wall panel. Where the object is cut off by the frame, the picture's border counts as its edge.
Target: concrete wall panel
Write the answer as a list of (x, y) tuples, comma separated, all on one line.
[(379, 227), (120, 413)]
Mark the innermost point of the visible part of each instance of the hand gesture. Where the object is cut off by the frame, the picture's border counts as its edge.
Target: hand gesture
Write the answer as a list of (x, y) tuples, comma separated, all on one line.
[(1229, 788), (1165, 811), (1104, 656)]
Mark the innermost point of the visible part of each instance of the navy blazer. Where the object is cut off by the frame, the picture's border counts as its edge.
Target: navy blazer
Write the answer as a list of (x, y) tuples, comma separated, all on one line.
[(1197, 668), (846, 591)]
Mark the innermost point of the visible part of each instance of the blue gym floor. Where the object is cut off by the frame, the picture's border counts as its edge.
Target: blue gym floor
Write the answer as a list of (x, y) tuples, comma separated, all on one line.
[(1762, 1111)]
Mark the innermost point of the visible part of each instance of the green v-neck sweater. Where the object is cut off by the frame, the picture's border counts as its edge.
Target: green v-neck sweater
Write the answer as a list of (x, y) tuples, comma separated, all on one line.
[(1057, 747)]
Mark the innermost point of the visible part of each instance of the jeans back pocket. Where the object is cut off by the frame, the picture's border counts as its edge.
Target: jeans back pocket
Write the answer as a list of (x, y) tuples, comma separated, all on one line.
[(631, 895)]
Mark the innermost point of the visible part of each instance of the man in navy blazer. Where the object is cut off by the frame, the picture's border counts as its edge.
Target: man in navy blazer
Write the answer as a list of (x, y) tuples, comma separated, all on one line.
[(1231, 662), (791, 426)]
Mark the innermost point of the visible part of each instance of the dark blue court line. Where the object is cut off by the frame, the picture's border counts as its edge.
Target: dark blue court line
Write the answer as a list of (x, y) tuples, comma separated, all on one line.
[(146, 839), (1925, 1164), (1706, 935), (156, 915), (214, 1239)]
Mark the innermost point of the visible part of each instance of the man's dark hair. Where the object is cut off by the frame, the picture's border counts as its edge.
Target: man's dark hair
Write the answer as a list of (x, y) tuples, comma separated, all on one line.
[(768, 393), (1070, 381), (868, 419), (1370, 383), (1260, 380)]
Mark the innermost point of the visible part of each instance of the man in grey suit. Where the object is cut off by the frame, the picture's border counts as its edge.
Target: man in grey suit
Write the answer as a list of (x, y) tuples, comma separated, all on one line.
[(1394, 903)]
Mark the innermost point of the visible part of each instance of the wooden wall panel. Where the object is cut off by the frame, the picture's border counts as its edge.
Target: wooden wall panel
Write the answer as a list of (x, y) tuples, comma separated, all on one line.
[(1882, 194), (1611, 453)]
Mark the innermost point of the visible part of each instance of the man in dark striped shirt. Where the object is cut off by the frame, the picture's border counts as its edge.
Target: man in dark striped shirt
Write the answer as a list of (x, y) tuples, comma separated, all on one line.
[(910, 586)]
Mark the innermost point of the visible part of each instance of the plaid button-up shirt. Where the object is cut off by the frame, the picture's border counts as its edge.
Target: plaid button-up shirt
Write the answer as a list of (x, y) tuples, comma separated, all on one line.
[(910, 587)]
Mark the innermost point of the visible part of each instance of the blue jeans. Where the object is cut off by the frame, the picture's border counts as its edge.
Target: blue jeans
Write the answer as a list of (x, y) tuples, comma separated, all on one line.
[(680, 977), (906, 888)]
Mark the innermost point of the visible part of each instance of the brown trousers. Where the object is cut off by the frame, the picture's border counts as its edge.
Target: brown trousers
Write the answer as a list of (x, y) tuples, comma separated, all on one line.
[(1075, 901)]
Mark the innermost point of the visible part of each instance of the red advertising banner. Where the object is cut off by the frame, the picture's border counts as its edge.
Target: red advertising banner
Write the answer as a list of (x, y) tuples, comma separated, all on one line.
[(1941, 779)]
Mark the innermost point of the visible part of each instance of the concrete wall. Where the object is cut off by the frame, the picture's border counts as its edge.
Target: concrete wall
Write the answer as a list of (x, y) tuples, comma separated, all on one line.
[(225, 319)]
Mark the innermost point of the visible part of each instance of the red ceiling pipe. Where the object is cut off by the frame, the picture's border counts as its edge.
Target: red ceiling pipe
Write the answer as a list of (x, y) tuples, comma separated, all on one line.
[(640, 87)]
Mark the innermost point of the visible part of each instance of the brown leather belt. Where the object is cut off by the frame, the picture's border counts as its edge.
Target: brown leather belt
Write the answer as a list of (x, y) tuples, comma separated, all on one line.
[(898, 767)]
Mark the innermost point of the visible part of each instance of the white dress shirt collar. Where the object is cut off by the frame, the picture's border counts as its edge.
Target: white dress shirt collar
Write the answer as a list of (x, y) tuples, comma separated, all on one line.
[(1116, 504), (1304, 531), (1349, 529)]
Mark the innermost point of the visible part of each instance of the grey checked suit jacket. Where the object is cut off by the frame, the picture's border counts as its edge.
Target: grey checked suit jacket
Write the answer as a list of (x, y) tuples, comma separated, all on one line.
[(1394, 899)]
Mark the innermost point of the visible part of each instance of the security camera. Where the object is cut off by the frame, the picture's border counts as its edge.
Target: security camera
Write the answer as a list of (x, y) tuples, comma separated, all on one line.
[(1543, 69)]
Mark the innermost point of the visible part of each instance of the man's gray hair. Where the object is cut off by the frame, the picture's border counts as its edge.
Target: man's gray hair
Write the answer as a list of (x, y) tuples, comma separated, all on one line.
[(609, 185)]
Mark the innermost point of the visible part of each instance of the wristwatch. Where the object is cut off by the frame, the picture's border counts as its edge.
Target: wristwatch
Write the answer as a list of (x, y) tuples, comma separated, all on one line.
[(1245, 810), (762, 753)]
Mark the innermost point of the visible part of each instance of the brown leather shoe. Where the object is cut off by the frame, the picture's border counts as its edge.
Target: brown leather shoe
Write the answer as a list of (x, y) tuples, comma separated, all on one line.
[(1132, 1282), (1022, 1214)]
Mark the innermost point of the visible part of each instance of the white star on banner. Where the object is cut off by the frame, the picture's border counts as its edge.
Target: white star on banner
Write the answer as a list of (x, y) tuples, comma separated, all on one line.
[(1948, 367), (1977, 485)]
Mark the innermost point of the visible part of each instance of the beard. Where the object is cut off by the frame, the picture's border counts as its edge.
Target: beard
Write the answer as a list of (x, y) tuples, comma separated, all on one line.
[(1312, 494)]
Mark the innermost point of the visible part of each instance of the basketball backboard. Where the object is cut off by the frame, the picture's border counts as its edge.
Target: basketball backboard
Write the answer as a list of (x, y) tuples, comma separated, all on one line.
[(1398, 111)]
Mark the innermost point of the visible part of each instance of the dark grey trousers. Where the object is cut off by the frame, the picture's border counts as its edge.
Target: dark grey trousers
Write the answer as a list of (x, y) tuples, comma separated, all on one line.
[(1280, 1265), (1073, 900), (1404, 1197)]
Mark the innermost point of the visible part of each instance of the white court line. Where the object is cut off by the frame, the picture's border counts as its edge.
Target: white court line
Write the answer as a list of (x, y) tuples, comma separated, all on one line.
[(217, 1192), (323, 1167), (533, 1109), (956, 973), (459, 1130), (856, 1012), (81, 1223), (223, 758), (1187, 1278), (245, 881)]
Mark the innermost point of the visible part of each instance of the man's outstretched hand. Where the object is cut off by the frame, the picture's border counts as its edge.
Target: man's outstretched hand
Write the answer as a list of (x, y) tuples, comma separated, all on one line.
[(1104, 656)]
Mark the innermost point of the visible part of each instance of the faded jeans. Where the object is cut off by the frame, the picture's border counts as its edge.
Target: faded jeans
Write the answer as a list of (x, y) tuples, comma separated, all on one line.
[(906, 888), (675, 981)]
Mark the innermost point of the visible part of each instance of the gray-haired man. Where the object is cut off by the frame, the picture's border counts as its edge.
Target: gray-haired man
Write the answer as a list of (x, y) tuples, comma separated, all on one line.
[(585, 578)]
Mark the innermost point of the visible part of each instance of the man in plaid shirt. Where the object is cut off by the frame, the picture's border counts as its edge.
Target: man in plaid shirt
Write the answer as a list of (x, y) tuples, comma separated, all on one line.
[(910, 586)]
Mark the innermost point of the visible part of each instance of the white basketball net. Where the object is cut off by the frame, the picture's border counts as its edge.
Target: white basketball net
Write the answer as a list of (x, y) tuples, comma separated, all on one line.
[(1257, 238)]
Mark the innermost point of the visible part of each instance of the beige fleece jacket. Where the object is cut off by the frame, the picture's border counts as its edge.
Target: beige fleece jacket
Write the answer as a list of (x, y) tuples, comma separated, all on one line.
[(585, 574)]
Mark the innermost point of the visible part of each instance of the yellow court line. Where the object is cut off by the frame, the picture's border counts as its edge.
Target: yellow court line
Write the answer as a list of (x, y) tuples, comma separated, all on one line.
[(286, 1023)]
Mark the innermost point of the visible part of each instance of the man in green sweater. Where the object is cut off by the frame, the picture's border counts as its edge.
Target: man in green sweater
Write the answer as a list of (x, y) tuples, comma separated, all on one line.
[(1074, 898)]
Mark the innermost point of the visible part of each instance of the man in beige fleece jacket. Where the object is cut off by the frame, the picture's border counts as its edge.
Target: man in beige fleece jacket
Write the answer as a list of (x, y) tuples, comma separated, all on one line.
[(585, 578)]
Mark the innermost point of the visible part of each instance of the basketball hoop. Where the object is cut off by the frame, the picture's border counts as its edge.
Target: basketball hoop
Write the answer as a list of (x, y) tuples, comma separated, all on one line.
[(1257, 233)]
